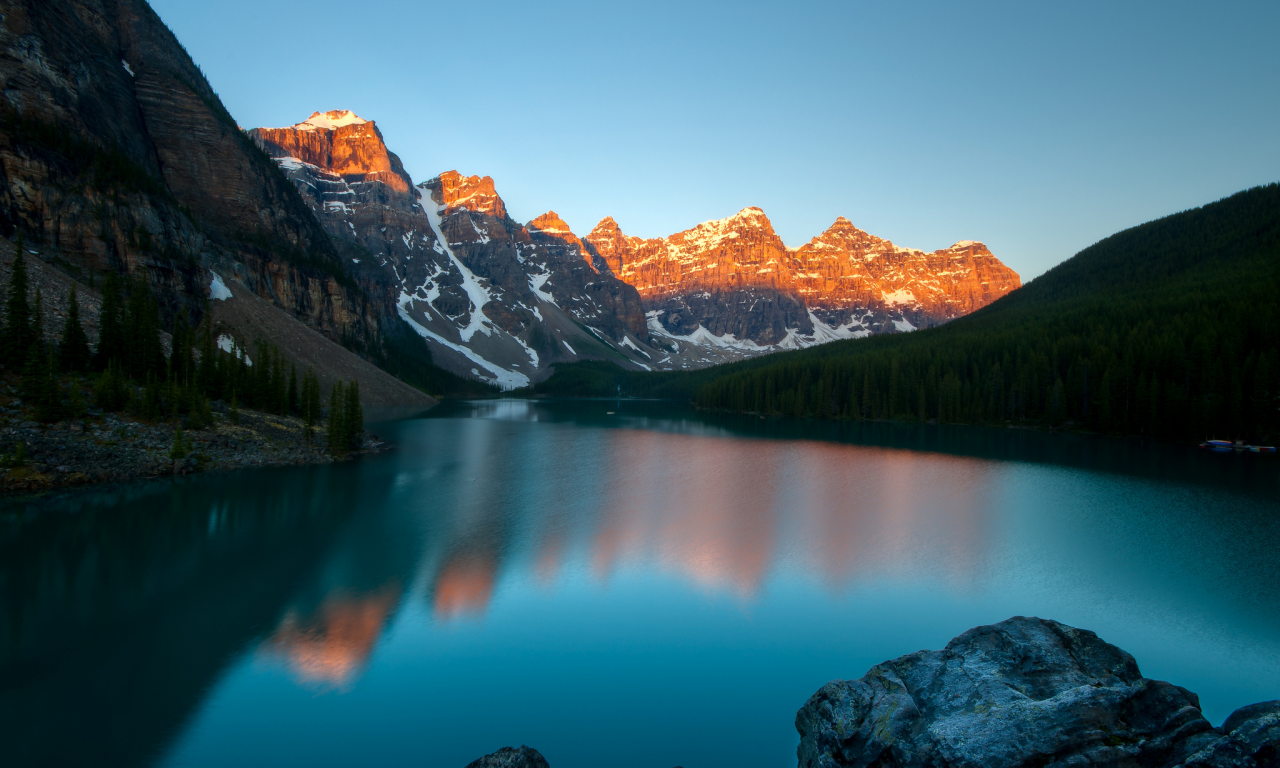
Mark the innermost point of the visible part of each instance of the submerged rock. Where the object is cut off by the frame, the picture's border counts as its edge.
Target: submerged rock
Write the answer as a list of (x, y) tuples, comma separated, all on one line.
[(510, 757), (1024, 692)]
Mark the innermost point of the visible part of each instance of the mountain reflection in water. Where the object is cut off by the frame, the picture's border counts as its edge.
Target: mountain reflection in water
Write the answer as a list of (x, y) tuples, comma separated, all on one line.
[(719, 514), (330, 647), (559, 575)]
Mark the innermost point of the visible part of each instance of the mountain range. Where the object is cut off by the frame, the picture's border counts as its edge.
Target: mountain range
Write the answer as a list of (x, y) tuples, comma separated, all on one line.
[(118, 156), (505, 301)]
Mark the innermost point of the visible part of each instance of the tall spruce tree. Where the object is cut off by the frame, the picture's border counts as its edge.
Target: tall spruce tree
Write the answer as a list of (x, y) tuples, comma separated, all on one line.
[(111, 338), (336, 432), (17, 336), (73, 351), (37, 320), (310, 402), (144, 353), (353, 416)]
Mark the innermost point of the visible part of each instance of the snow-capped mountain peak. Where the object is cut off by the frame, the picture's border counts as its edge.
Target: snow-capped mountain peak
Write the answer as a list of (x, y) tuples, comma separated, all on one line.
[(328, 121)]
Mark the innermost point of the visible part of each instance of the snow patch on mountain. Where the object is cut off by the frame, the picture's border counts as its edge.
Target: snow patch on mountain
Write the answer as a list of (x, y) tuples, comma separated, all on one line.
[(535, 284), (328, 121), (476, 292), (505, 380), (218, 290)]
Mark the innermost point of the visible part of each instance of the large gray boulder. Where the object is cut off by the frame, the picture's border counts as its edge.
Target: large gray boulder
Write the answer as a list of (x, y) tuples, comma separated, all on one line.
[(1024, 692), (510, 757)]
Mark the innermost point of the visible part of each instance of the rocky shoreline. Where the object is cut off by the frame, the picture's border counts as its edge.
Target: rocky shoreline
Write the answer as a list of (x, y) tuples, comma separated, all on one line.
[(113, 447)]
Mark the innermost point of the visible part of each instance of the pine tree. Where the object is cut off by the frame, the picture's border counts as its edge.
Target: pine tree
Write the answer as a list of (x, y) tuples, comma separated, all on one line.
[(180, 447), (46, 392), (111, 339), (337, 429), (76, 404), (291, 405), (310, 402), (353, 416), (73, 352), (37, 321), (17, 338), (181, 348), (143, 351)]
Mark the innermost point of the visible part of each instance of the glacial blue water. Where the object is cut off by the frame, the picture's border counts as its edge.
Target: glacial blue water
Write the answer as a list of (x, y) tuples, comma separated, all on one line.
[(614, 583)]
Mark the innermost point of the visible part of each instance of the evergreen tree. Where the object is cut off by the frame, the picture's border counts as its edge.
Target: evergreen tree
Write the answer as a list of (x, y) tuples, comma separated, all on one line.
[(292, 404), (336, 435), (207, 371), (40, 385), (181, 446), (143, 352), (353, 416), (76, 405), (111, 338), (37, 321), (73, 352), (109, 393), (310, 402), (181, 351), (18, 335)]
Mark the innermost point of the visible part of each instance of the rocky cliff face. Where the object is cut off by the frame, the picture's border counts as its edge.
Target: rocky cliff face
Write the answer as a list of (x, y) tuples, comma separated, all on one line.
[(845, 274), (1025, 692), (726, 277), (495, 299), (734, 282), (342, 144), (116, 154)]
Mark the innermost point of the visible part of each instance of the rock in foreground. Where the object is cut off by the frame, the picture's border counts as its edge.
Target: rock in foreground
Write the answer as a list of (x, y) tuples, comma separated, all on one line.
[(510, 757), (1024, 692)]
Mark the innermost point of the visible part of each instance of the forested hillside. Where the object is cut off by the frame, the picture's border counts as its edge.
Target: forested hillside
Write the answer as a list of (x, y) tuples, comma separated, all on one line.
[(1169, 329)]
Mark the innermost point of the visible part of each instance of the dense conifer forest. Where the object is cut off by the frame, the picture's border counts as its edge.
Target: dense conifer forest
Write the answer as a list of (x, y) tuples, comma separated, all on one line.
[(131, 371), (1170, 329)]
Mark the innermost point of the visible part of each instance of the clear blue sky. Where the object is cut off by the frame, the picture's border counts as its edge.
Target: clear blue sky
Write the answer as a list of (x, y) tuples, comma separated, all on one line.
[(1033, 127)]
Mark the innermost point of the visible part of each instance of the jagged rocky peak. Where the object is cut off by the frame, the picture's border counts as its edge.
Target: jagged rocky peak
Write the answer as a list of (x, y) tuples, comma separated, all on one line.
[(475, 193), (549, 227), (747, 233), (842, 234), (606, 227), (613, 245), (550, 222), (338, 142)]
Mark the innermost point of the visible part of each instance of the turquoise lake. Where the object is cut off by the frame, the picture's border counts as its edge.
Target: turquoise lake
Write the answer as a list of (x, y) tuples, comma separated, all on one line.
[(619, 583)]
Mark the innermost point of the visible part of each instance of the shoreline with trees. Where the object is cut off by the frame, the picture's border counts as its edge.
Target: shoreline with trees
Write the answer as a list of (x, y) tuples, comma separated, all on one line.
[(145, 403)]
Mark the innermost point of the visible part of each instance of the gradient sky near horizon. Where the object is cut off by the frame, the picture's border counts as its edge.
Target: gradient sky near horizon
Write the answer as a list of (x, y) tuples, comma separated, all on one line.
[(1036, 128)]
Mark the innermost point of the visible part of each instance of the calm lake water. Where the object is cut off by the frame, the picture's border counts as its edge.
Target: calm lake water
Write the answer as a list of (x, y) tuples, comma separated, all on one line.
[(648, 587)]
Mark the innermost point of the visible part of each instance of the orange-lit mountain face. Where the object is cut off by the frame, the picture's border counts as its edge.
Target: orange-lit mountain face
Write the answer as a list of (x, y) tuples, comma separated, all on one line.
[(493, 299), (847, 269), (341, 143), (736, 276), (504, 302), (471, 193)]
